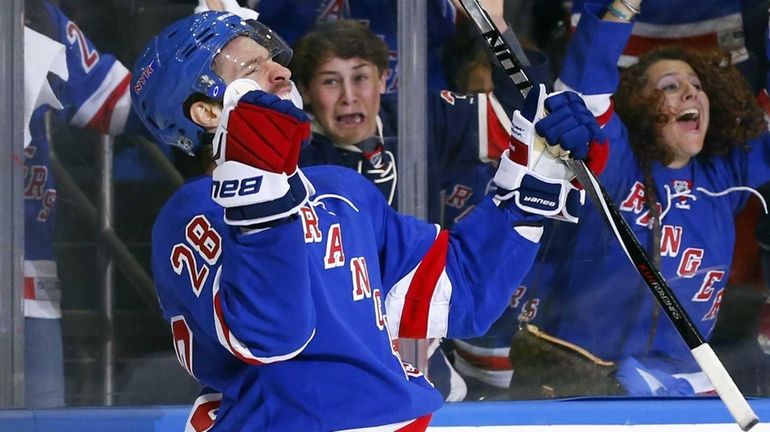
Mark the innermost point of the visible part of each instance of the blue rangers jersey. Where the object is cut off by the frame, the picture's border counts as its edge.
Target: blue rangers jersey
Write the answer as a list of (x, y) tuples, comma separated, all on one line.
[(292, 326), (293, 18), (86, 89), (598, 301)]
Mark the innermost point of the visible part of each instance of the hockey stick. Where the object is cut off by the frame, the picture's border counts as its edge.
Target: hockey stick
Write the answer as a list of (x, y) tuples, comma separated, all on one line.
[(703, 353)]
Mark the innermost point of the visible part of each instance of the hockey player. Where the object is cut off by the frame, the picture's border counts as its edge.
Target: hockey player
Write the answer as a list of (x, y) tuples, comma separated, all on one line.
[(691, 143), (279, 307), (64, 74)]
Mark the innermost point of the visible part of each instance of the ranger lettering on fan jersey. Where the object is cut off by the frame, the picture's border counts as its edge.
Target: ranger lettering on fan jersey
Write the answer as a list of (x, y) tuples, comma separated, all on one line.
[(598, 301)]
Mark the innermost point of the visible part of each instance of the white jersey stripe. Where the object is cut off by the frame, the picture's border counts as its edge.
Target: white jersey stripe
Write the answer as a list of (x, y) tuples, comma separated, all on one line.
[(116, 75)]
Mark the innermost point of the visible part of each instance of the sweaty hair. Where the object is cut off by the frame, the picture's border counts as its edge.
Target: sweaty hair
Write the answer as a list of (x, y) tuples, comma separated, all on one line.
[(345, 39), (735, 115)]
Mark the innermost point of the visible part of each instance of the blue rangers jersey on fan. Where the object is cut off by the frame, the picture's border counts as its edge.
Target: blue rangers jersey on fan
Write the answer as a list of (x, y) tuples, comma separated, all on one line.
[(86, 89), (598, 301), (293, 18), (279, 321)]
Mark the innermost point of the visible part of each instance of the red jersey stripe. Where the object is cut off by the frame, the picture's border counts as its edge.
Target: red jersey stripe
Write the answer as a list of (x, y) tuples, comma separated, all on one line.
[(414, 316)]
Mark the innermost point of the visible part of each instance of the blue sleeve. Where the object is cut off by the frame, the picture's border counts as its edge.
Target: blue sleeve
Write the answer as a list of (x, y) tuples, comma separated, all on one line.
[(744, 168), (224, 283), (593, 52), (590, 69), (487, 261), (449, 283), (441, 22), (758, 161), (265, 278), (96, 93)]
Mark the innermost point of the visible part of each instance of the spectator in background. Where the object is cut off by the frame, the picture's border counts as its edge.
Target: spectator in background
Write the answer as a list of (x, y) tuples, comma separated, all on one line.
[(467, 62), (294, 18), (688, 140), (737, 26), (340, 70), (66, 75), (486, 358)]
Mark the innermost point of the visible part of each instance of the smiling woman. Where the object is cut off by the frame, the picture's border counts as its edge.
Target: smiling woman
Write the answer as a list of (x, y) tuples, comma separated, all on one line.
[(693, 101), (687, 145)]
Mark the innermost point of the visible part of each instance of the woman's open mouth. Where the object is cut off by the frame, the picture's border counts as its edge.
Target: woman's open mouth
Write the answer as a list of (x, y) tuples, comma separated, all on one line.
[(689, 119)]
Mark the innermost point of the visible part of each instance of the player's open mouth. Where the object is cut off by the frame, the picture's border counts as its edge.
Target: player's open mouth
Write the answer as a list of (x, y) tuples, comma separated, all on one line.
[(350, 119), (689, 119)]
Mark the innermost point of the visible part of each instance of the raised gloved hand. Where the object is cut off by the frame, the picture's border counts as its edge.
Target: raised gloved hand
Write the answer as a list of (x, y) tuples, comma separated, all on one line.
[(570, 129), (256, 148), (533, 177)]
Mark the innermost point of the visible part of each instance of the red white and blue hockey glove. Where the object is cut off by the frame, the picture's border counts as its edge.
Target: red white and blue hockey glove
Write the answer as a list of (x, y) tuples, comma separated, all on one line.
[(256, 148), (530, 174)]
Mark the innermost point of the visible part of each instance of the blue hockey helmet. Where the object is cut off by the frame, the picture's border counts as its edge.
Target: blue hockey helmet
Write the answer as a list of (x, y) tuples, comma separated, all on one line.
[(177, 64)]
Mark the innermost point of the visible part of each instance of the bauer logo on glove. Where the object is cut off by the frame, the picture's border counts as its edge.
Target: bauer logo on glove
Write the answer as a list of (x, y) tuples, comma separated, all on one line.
[(531, 177), (548, 129)]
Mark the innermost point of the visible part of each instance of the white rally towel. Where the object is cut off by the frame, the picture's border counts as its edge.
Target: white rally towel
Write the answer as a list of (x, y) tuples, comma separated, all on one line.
[(41, 55)]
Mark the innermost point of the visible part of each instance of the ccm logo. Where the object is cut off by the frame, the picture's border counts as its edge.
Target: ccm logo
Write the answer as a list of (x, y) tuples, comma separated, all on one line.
[(233, 188)]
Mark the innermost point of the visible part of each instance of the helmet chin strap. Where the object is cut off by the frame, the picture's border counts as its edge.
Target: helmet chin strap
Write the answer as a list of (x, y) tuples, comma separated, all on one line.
[(245, 85), (296, 98)]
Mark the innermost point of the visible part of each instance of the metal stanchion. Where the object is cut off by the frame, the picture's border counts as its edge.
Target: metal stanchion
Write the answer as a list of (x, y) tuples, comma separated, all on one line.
[(106, 273)]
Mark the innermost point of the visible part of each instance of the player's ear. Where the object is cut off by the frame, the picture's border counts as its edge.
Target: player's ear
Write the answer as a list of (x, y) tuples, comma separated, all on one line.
[(205, 114)]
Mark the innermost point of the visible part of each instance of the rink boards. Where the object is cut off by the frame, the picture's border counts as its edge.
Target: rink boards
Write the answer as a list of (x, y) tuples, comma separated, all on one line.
[(606, 415)]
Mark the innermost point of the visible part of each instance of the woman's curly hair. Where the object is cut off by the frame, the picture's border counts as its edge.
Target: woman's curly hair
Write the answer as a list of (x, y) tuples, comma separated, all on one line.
[(735, 115)]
